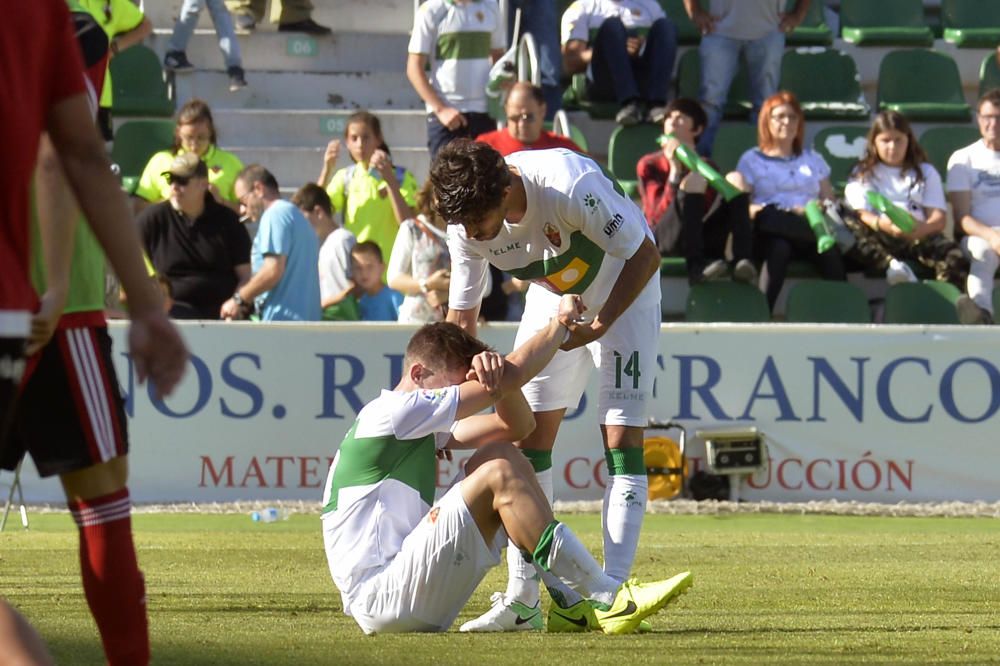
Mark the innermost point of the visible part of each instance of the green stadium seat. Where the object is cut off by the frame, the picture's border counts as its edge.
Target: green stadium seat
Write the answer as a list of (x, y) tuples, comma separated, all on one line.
[(971, 24), (940, 142), (989, 73), (813, 31), (135, 142), (827, 302), (841, 146), (673, 267), (884, 22), (626, 146), (689, 83), (927, 302), (575, 97), (726, 302), (137, 84), (731, 141), (687, 31), (826, 82), (922, 85)]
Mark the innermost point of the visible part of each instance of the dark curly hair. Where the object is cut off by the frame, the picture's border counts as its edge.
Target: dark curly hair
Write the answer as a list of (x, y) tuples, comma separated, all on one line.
[(469, 179)]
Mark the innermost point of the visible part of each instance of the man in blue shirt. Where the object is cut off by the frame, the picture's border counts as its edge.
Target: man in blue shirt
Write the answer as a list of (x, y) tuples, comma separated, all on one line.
[(284, 258)]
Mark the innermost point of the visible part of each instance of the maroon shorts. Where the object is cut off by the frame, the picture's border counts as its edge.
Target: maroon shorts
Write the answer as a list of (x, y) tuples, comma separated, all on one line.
[(70, 414)]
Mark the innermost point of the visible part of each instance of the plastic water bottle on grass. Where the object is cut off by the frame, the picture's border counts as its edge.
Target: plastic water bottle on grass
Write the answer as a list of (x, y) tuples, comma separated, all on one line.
[(268, 515)]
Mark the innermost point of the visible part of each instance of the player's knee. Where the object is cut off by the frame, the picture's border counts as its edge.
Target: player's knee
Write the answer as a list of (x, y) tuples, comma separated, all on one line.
[(506, 466)]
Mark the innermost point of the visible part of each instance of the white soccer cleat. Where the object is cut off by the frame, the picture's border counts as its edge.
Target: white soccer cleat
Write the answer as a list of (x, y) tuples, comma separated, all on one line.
[(506, 615)]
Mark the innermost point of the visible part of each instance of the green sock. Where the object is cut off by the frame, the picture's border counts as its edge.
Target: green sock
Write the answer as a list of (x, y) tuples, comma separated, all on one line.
[(540, 460), (541, 554), (625, 461)]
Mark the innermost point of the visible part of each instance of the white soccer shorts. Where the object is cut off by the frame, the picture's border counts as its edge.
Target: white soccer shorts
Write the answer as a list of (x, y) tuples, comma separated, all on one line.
[(437, 569), (625, 358)]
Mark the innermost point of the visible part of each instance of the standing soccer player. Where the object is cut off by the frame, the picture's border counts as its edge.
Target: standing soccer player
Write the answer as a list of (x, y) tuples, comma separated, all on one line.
[(403, 565), (557, 219)]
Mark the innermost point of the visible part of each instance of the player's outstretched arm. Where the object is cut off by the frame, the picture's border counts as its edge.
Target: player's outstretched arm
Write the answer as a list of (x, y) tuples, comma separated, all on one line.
[(156, 346)]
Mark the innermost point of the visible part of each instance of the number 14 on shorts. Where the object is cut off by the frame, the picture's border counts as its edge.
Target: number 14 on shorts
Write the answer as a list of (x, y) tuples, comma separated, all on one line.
[(630, 369)]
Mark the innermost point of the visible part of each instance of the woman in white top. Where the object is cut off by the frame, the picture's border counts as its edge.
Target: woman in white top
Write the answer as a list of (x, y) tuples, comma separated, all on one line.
[(782, 177), (418, 266), (895, 166)]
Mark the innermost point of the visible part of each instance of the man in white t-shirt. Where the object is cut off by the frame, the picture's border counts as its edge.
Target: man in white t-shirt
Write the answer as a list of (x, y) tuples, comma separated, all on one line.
[(336, 286), (555, 218), (453, 45), (405, 563), (974, 193)]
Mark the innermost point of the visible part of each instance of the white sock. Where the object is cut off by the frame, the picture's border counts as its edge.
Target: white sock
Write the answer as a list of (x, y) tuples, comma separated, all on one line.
[(572, 563), (624, 508), (522, 576), (563, 596)]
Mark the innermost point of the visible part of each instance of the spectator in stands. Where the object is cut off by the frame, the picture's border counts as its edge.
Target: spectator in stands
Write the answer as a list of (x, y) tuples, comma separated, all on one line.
[(627, 48), (419, 264), (336, 286), (194, 133), (175, 59), (782, 176), (450, 82), (974, 193), (687, 217), (525, 110), (125, 26), (753, 30), (540, 19), (376, 301), (895, 166), (284, 255), (296, 16), (195, 242), (373, 196)]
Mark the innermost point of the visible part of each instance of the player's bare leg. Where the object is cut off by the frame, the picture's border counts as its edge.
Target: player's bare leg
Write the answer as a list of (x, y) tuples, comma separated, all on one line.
[(112, 582)]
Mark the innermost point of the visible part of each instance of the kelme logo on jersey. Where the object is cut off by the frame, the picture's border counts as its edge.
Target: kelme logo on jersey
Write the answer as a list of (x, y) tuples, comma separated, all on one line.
[(590, 201), (552, 234), (568, 273)]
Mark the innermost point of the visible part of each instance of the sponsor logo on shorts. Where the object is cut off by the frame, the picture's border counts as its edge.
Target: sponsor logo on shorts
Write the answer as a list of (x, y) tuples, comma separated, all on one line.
[(613, 225), (552, 234)]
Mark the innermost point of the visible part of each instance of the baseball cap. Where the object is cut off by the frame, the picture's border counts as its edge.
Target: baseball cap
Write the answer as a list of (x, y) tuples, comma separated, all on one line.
[(187, 165)]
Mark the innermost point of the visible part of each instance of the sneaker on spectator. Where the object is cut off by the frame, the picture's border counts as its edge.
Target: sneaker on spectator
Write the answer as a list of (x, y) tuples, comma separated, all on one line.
[(632, 113), (176, 61), (307, 26), (658, 114), (745, 272), (244, 23), (716, 270), (236, 79), (970, 314), (899, 272)]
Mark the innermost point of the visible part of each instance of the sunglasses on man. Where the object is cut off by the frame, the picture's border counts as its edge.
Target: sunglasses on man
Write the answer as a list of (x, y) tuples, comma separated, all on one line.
[(178, 180)]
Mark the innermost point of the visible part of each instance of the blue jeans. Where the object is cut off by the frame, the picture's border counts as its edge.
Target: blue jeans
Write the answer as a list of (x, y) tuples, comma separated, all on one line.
[(620, 78), (223, 22), (438, 136), (720, 61), (538, 17)]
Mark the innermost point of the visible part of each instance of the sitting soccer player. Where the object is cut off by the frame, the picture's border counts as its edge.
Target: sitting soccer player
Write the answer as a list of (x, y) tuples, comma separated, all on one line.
[(403, 565)]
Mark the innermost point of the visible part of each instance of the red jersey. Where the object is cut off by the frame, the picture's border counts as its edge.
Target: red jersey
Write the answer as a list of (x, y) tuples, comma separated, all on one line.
[(505, 144), (653, 171), (39, 67)]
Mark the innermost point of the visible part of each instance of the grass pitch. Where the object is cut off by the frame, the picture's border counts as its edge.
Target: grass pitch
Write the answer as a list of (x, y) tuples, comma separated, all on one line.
[(773, 589)]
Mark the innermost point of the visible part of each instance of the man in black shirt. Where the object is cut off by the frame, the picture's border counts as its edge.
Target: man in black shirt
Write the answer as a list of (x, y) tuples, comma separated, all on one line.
[(198, 244)]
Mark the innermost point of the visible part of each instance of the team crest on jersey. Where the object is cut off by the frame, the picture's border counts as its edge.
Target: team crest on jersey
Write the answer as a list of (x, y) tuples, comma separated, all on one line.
[(552, 234), (433, 515), (433, 395), (590, 201)]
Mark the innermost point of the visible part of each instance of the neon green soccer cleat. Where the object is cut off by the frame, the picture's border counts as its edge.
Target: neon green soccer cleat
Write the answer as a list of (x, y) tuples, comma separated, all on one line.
[(577, 618), (637, 601)]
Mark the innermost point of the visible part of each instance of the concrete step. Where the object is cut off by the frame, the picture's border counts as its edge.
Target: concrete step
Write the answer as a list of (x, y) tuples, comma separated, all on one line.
[(288, 90), (386, 16), (295, 166), (292, 52), (262, 127)]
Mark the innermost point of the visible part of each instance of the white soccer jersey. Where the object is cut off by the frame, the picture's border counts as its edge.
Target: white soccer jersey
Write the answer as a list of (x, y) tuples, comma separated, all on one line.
[(577, 232), (583, 18), (382, 481), (458, 38), (902, 189)]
